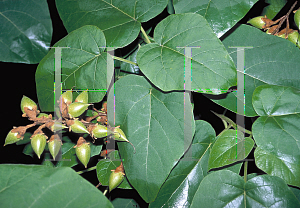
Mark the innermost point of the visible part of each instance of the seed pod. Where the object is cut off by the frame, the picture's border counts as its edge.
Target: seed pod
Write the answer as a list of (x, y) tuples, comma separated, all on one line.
[(120, 136), (257, 22), (76, 109), (83, 151), (82, 97), (76, 126), (12, 138), (28, 107), (116, 177), (54, 145), (99, 131), (67, 97), (38, 143), (297, 18)]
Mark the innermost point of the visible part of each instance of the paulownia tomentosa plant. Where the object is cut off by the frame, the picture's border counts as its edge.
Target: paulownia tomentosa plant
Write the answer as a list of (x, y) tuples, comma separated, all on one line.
[(162, 153)]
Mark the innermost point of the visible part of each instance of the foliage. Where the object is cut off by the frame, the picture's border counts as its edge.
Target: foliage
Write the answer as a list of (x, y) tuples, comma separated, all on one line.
[(163, 153)]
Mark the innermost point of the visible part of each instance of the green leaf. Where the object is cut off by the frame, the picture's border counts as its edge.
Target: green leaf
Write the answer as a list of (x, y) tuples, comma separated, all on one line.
[(83, 65), (221, 15), (272, 60), (230, 147), (26, 31), (163, 63), (154, 122), (49, 187), (227, 189), (105, 166), (68, 157), (125, 203), (189, 171), (119, 20), (273, 8), (277, 131)]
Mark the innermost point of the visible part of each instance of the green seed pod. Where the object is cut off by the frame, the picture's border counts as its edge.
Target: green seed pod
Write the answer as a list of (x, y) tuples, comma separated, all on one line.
[(294, 38), (12, 138), (38, 143), (297, 18), (67, 97), (116, 178), (77, 127), (82, 97), (99, 131), (257, 22), (83, 151), (57, 126), (27, 102), (120, 136), (76, 109), (54, 145)]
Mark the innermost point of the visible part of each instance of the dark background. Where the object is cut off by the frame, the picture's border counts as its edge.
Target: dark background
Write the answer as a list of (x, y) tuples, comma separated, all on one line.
[(19, 80)]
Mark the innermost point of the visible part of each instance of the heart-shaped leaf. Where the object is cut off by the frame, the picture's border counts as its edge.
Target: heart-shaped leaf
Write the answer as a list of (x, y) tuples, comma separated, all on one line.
[(272, 60), (49, 187), (189, 171), (230, 147), (277, 131), (153, 122), (273, 8), (119, 20), (163, 62), (83, 65), (26, 31), (220, 15), (224, 188), (105, 166)]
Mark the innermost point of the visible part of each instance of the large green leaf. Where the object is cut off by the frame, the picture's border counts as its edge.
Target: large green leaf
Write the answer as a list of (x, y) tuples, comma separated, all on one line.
[(277, 131), (227, 189), (164, 63), (43, 186), (189, 171), (83, 65), (221, 15), (272, 60), (26, 31), (105, 166), (119, 20), (229, 147), (273, 8), (154, 122)]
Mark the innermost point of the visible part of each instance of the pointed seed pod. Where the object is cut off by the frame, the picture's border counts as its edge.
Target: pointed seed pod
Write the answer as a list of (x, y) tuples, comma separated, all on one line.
[(12, 138), (38, 143), (83, 151), (120, 136), (257, 22), (54, 145), (67, 97), (82, 97), (76, 109), (27, 102), (77, 126), (116, 177), (57, 126), (100, 131)]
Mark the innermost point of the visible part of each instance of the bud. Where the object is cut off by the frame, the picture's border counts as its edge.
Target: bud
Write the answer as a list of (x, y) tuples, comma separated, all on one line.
[(82, 97)]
